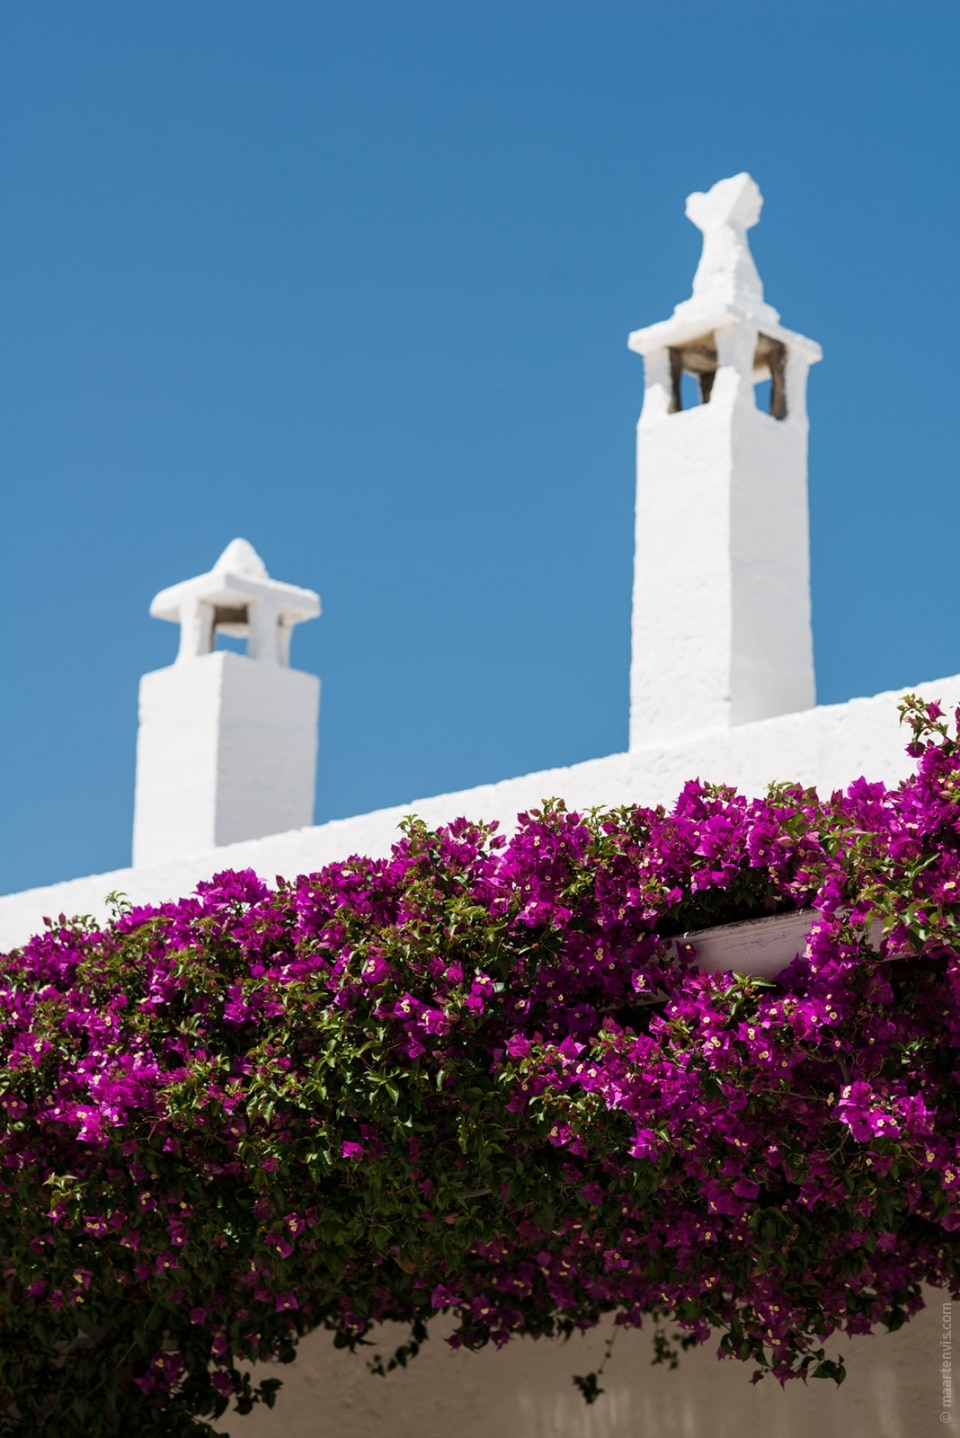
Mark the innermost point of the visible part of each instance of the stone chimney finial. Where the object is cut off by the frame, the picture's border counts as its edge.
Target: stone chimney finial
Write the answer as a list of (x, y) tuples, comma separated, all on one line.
[(238, 598), (726, 272)]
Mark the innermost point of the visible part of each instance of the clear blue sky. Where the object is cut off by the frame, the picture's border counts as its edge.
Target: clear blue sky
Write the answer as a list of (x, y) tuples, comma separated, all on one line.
[(353, 280)]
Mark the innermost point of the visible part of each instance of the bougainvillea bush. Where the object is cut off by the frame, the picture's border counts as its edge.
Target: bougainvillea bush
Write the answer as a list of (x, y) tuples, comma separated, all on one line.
[(478, 1078)]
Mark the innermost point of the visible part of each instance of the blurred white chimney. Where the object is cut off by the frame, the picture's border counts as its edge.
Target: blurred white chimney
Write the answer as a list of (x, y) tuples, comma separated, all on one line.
[(227, 745)]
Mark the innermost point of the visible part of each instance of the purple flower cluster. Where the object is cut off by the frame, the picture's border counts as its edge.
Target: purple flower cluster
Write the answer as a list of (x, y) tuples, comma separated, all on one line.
[(479, 1077)]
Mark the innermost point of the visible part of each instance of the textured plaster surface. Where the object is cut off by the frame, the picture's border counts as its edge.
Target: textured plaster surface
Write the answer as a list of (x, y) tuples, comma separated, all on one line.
[(525, 1391), (827, 747)]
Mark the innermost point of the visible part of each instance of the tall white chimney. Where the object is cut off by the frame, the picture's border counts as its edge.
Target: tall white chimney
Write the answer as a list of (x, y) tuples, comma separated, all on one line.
[(721, 599)]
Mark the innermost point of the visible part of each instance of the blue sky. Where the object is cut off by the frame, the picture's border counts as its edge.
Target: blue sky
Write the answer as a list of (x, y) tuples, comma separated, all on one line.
[(353, 280)]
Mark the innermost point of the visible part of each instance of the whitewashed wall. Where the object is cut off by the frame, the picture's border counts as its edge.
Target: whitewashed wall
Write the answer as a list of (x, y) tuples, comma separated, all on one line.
[(828, 747)]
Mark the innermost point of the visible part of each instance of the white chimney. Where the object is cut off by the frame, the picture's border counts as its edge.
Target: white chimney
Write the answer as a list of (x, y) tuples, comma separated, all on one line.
[(721, 599), (227, 745)]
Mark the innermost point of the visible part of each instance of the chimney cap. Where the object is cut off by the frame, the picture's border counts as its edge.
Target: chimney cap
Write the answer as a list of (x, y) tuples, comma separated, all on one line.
[(727, 288), (238, 577)]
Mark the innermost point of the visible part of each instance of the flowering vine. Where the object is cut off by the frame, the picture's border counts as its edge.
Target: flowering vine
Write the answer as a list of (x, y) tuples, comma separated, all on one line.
[(482, 1077)]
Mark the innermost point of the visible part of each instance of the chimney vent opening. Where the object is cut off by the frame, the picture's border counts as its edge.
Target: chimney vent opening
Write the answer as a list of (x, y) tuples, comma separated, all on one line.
[(770, 376), (696, 360), (231, 624)]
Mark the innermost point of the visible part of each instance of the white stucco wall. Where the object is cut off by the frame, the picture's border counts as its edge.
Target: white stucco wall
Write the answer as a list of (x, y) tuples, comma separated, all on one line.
[(828, 746)]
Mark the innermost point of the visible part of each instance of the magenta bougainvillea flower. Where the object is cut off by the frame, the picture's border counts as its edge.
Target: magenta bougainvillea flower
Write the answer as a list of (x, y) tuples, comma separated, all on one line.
[(481, 1077)]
